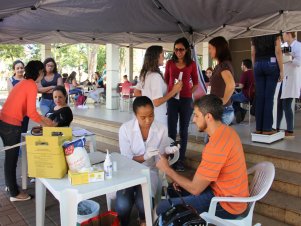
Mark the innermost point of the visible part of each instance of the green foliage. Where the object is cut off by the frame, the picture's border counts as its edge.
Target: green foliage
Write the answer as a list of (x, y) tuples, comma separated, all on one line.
[(101, 58), (33, 52), (71, 55), (10, 53)]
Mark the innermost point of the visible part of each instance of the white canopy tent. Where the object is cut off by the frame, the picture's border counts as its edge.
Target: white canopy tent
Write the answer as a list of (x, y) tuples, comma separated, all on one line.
[(142, 21)]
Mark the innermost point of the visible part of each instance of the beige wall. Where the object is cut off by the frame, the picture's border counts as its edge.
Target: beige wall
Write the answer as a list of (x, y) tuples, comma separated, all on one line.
[(240, 49)]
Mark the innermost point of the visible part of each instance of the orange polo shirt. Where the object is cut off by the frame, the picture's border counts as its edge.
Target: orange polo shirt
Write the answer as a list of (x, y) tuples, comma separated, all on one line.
[(21, 102), (223, 163)]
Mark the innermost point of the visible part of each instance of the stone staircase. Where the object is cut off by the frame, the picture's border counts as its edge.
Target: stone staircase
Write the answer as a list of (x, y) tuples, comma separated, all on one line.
[(281, 206)]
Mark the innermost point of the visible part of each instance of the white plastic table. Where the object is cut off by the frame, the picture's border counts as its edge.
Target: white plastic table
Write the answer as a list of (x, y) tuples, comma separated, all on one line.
[(129, 173)]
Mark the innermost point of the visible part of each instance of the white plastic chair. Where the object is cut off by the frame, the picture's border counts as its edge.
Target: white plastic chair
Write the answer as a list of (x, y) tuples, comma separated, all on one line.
[(261, 183)]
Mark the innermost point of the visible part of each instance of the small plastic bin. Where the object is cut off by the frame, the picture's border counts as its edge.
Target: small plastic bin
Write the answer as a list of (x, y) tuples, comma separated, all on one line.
[(87, 209)]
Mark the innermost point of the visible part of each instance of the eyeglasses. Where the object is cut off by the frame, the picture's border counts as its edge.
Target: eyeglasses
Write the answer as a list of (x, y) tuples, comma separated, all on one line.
[(179, 50)]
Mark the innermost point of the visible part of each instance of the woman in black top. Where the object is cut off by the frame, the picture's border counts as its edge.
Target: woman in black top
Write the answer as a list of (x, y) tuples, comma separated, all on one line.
[(61, 114), (268, 70)]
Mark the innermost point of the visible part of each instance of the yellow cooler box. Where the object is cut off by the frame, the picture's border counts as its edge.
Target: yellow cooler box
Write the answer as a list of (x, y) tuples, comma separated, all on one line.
[(45, 155)]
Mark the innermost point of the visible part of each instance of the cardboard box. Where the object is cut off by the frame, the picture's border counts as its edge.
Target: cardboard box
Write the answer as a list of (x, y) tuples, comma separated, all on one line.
[(76, 178), (45, 155)]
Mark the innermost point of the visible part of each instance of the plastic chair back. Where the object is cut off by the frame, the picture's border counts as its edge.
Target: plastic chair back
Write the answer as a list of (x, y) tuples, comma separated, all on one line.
[(264, 173)]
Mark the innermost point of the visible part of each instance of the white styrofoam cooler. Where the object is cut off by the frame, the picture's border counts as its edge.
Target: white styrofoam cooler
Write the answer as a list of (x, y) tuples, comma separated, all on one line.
[(267, 138)]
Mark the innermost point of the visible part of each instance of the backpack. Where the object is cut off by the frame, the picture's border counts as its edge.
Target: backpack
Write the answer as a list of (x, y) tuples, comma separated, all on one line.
[(180, 214), (81, 99)]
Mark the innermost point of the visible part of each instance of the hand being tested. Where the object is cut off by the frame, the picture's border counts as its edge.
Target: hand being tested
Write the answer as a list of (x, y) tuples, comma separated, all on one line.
[(172, 149), (162, 164), (150, 152)]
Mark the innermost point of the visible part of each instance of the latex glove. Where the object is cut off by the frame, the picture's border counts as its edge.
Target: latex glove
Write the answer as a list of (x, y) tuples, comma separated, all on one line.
[(172, 149), (150, 152)]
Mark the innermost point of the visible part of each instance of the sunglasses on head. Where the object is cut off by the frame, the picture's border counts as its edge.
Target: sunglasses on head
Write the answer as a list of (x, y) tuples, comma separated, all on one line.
[(179, 49)]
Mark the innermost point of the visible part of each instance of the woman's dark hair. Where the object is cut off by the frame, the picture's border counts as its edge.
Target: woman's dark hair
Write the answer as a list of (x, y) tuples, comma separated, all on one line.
[(141, 101), (222, 49), (187, 57), (32, 69), (151, 61), (62, 89), (71, 77), (17, 62), (46, 61), (210, 104)]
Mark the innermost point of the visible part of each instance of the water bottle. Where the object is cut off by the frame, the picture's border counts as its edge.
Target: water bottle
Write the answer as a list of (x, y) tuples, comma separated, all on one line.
[(108, 166)]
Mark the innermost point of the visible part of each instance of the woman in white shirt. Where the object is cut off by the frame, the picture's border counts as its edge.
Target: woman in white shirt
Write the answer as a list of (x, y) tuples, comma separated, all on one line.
[(152, 84), (141, 139)]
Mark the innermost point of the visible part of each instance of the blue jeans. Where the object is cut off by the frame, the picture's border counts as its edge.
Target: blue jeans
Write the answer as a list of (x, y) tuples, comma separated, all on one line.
[(266, 78), (286, 106), (182, 108), (10, 135), (228, 115), (200, 202), (237, 99), (125, 200), (46, 105)]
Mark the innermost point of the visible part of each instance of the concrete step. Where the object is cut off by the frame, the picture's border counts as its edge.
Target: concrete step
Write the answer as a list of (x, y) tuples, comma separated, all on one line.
[(266, 221), (285, 181), (280, 206), (285, 160)]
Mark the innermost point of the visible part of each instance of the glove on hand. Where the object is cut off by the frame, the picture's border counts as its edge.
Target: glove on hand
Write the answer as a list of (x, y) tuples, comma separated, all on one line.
[(150, 152), (172, 149)]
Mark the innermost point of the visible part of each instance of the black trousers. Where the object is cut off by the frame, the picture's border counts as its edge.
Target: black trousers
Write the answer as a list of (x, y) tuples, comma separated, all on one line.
[(182, 109), (10, 135)]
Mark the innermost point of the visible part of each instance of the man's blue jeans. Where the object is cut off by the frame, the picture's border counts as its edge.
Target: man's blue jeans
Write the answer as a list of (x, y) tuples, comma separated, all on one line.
[(266, 78), (238, 98), (200, 202)]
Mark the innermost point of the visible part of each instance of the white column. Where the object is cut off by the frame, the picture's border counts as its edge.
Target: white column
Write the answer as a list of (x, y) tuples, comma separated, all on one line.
[(131, 64), (205, 56), (45, 51), (112, 63)]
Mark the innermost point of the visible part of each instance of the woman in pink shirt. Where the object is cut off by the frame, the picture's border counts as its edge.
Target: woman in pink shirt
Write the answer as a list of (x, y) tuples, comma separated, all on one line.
[(20, 102), (181, 106)]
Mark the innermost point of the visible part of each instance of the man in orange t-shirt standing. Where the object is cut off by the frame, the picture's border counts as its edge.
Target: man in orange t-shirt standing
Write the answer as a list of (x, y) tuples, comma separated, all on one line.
[(222, 171)]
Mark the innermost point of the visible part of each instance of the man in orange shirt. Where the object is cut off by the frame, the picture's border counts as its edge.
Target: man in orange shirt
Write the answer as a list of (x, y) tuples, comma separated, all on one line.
[(222, 171)]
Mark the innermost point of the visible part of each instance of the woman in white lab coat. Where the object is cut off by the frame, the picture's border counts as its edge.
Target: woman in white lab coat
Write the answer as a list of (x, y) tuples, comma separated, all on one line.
[(291, 84), (153, 85), (141, 139)]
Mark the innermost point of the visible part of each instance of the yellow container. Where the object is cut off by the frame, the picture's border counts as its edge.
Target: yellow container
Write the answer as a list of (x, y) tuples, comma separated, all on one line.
[(45, 155), (76, 178), (55, 131)]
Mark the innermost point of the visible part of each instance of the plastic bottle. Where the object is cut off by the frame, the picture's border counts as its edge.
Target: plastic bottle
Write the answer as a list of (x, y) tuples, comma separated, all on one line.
[(108, 166)]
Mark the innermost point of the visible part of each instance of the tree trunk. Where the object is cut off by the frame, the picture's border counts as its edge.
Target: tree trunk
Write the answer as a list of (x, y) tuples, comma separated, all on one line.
[(92, 59)]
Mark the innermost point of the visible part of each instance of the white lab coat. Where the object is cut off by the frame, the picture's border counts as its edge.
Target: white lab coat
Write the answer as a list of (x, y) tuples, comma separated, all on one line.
[(292, 74), (154, 87), (131, 144)]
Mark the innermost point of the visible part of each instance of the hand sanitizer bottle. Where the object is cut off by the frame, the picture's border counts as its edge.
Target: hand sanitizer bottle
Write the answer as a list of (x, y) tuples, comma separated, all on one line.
[(108, 166)]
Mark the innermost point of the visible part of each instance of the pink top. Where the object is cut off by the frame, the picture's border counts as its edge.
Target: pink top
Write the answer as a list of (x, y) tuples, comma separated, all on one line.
[(189, 75)]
